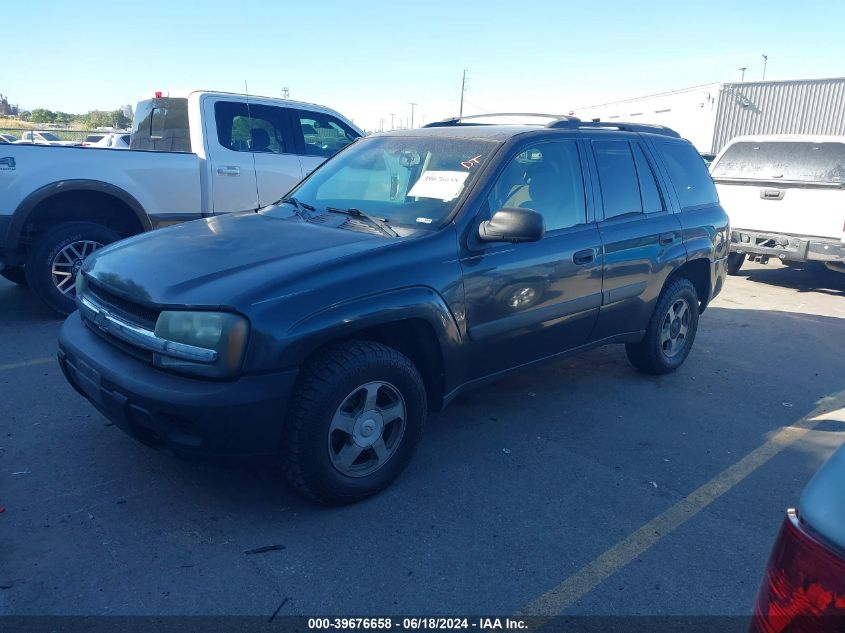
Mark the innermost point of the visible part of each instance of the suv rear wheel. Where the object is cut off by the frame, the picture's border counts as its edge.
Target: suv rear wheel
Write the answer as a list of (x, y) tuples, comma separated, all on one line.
[(671, 330), (356, 417), (58, 255)]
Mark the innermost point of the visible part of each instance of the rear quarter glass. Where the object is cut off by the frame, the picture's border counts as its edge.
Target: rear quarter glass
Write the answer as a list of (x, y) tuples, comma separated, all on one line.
[(692, 182)]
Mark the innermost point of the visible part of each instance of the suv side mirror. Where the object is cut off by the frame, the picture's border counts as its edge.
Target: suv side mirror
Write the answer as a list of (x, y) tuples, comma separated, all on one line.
[(513, 225)]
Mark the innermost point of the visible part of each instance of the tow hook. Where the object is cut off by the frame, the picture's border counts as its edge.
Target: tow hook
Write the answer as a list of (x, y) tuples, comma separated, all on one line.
[(762, 259)]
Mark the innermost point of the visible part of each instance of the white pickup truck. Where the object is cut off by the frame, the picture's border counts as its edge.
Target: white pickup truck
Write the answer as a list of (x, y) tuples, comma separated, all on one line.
[(198, 154), (785, 196)]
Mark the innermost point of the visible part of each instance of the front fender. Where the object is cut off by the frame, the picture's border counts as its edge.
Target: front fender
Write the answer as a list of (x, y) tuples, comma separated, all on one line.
[(343, 319)]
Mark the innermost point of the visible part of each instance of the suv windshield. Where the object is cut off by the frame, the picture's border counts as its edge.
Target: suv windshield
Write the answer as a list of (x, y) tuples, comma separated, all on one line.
[(407, 180), (783, 160)]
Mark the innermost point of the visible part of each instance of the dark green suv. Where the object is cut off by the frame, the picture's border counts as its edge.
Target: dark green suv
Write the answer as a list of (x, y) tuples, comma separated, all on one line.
[(410, 267)]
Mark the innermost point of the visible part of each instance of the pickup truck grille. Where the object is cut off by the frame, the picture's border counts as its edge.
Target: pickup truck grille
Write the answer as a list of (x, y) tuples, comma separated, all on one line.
[(134, 313)]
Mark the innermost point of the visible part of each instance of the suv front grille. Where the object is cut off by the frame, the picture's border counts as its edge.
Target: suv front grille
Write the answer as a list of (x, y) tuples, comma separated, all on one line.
[(135, 313)]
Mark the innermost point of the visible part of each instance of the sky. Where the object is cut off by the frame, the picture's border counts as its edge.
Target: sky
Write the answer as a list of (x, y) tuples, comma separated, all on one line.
[(370, 59)]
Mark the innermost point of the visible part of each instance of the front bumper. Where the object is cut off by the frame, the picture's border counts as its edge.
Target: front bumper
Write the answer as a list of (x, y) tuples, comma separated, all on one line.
[(788, 247), (191, 417)]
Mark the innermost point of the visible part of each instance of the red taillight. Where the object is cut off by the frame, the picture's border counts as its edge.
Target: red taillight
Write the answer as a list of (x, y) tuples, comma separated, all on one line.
[(158, 94), (803, 588)]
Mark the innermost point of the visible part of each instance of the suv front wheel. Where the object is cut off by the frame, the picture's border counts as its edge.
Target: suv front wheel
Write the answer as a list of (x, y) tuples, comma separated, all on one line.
[(671, 330), (356, 417)]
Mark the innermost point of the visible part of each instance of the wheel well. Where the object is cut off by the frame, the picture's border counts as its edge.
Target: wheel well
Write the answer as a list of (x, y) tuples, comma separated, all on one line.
[(82, 206), (416, 339), (698, 272)]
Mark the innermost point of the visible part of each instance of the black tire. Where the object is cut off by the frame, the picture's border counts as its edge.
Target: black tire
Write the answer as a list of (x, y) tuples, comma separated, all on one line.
[(735, 262), (323, 386), (16, 274), (47, 248), (649, 355)]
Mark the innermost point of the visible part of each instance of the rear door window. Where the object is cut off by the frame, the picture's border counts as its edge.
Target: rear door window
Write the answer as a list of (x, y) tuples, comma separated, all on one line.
[(322, 134), (620, 188), (251, 128), (786, 161), (689, 175)]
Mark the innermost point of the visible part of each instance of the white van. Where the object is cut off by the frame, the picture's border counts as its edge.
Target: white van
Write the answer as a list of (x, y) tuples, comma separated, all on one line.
[(785, 196)]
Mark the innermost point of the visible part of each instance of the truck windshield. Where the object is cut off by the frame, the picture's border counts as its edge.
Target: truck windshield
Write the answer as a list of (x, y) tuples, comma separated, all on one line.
[(49, 136), (413, 181), (783, 160)]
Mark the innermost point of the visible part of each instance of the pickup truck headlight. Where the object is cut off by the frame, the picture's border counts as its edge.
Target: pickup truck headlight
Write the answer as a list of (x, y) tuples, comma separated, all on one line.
[(223, 332)]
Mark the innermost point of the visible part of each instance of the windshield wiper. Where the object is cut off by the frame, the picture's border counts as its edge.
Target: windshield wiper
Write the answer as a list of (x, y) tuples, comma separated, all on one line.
[(299, 206), (380, 223)]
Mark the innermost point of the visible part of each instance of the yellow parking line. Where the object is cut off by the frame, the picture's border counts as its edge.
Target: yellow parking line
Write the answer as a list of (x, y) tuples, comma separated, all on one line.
[(29, 363), (589, 577)]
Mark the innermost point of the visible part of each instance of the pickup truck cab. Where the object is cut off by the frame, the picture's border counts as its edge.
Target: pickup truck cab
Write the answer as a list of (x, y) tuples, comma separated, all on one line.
[(410, 267), (204, 153), (786, 198)]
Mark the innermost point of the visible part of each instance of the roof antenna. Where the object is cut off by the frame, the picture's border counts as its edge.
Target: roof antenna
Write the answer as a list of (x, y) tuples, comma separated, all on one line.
[(254, 168)]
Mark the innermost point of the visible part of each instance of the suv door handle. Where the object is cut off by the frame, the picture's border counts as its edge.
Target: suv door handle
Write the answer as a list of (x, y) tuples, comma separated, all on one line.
[(584, 257), (229, 170), (667, 238)]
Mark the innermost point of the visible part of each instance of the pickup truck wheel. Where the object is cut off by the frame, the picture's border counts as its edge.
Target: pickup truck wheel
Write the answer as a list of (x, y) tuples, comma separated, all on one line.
[(356, 417), (56, 258), (16, 274), (735, 261), (671, 330)]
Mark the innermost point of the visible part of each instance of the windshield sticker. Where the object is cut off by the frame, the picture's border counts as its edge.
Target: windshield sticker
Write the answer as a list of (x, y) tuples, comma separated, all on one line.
[(424, 220), (443, 185), (468, 164)]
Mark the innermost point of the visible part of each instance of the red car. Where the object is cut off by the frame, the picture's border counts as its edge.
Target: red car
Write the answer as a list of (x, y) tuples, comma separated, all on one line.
[(803, 589)]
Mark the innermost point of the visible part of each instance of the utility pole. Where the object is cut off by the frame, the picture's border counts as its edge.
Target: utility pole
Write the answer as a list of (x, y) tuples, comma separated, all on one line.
[(413, 105), (765, 61), (381, 124), (392, 114), (742, 70), (463, 90), (285, 92)]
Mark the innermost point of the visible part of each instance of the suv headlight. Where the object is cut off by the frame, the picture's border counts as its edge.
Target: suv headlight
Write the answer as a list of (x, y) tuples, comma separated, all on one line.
[(223, 332)]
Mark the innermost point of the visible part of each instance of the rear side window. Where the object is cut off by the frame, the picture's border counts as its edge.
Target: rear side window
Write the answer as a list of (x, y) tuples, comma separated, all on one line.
[(689, 174), (251, 128), (620, 189), (161, 124), (323, 134), (788, 161), (649, 191)]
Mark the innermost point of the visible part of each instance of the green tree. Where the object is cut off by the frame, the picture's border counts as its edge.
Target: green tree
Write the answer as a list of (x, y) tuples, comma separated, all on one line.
[(40, 115)]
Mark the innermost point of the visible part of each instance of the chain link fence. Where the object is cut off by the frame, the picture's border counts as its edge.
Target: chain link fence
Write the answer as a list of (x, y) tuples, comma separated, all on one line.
[(53, 134)]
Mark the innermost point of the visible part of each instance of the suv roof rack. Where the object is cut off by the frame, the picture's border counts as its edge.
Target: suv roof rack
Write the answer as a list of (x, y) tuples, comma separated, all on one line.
[(461, 120), (647, 128), (562, 121)]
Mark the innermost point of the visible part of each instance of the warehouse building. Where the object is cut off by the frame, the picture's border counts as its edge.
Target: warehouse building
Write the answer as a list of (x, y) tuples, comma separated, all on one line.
[(710, 115)]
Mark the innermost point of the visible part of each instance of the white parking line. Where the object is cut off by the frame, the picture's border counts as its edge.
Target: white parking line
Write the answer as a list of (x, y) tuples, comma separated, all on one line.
[(29, 363)]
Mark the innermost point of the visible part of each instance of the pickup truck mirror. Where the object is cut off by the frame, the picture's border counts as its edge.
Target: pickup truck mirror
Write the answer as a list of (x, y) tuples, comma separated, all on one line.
[(513, 225)]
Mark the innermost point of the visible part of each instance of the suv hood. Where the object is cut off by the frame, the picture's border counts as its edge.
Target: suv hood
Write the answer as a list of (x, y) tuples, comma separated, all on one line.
[(221, 261)]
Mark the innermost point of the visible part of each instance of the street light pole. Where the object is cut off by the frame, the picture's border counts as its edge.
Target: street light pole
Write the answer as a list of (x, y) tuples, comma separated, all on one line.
[(412, 104), (463, 90), (742, 70), (765, 61), (392, 114)]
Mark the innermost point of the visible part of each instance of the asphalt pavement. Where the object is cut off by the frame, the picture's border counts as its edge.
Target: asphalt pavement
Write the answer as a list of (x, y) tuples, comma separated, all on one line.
[(567, 487)]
